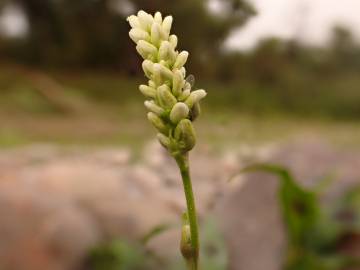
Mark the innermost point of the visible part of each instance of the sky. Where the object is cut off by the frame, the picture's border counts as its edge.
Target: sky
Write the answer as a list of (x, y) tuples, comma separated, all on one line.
[(12, 22), (307, 20)]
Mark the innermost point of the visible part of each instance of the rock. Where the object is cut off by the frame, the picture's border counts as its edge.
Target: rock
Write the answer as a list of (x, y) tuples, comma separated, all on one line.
[(56, 202), (249, 212), (70, 232), (251, 223), (39, 231), (116, 157)]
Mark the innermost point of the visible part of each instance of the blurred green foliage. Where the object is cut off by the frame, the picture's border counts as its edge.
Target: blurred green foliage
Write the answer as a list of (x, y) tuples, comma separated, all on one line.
[(88, 41), (119, 255), (317, 235), (94, 33), (213, 253), (125, 255)]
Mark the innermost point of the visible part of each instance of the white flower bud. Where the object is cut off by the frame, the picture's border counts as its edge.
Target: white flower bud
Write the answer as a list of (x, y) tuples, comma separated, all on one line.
[(183, 71), (163, 72), (166, 73), (178, 112), (158, 17), (166, 99), (185, 135), (186, 247), (184, 95), (181, 59), (164, 63), (173, 41), (166, 26), (156, 34), (152, 84), (164, 141), (146, 49), (166, 52), (157, 123), (178, 83), (187, 86), (137, 34), (145, 19), (151, 106), (148, 68), (133, 21), (147, 91), (157, 74), (195, 97)]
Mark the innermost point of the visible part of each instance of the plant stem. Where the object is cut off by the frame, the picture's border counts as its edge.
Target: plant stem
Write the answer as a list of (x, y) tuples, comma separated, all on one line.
[(183, 162)]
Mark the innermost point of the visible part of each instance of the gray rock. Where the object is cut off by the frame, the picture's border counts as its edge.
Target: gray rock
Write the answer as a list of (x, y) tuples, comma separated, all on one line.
[(56, 203)]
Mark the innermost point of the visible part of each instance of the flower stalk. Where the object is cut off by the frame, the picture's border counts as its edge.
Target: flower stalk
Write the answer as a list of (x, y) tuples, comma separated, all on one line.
[(172, 106), (189, 245)]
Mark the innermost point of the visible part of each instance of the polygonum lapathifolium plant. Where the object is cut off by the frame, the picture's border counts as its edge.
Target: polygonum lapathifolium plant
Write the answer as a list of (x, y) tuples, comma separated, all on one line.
[(172, 105)]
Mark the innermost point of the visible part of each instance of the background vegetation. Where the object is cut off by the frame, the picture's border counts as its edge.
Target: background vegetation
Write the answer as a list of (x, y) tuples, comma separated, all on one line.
[(70, 37)]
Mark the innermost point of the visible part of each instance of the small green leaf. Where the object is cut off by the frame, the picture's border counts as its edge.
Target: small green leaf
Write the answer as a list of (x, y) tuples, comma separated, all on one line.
[(300, 207), (156, 231)]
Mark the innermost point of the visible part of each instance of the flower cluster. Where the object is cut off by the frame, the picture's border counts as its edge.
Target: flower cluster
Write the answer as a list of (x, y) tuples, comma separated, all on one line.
[(171, 102)]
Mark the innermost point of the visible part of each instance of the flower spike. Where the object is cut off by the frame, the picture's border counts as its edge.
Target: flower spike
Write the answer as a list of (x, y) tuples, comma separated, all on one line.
[(172, 106)]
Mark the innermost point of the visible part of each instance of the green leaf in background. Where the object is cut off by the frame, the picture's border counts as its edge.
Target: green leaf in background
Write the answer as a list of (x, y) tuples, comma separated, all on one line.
[(314, 232), (214, 255), (348, 209), (300, 207), (117, 255), (157, 230), (318, 235)]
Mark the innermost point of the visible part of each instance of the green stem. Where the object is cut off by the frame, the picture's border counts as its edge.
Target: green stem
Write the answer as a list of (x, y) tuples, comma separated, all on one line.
[(183, 162)]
